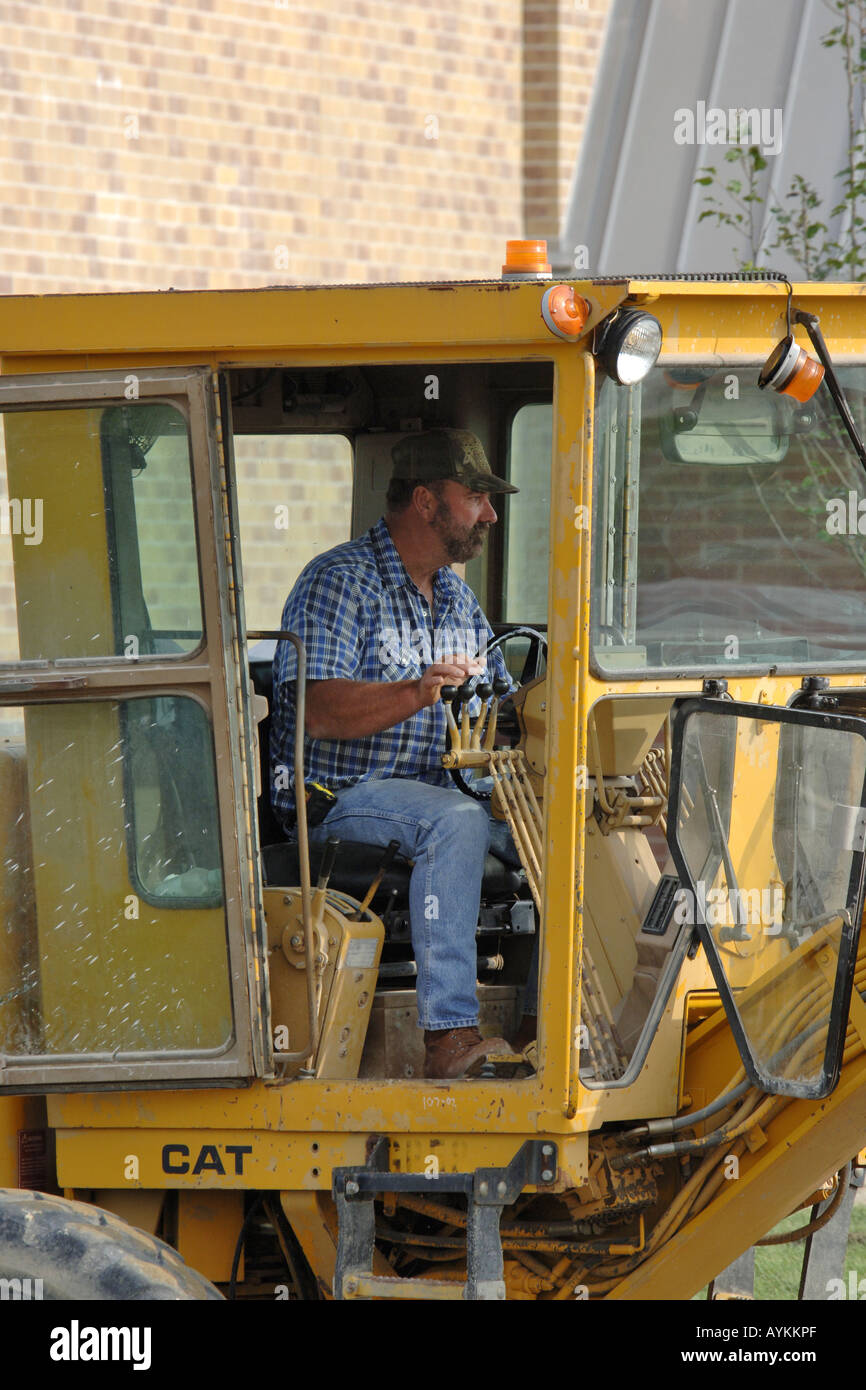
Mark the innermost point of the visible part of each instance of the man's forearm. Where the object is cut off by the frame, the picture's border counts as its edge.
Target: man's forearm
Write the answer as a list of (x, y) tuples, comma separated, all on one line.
[(352, 709)]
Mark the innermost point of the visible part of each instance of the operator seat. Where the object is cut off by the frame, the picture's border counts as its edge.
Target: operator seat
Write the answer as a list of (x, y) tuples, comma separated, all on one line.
[(356, 864)]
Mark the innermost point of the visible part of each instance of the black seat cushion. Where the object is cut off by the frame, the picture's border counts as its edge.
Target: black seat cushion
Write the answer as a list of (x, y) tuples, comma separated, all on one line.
[(356, 865)]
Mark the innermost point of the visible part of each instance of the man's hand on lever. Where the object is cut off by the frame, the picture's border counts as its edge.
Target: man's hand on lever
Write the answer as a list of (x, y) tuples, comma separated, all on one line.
[(348, 709), (453, 670)]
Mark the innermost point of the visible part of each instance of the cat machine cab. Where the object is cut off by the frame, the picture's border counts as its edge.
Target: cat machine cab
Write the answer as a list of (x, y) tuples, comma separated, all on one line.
[(209, 1035)]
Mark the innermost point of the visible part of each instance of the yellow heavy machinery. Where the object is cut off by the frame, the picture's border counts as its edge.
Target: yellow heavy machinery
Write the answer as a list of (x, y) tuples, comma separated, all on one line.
[(197, 1038)]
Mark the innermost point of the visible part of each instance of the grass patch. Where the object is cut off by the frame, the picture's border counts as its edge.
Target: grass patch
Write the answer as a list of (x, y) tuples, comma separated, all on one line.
[(777, 1267)]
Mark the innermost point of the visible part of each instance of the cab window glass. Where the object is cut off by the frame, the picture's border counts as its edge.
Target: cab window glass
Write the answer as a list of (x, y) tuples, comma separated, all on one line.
[(726, 525), (294, 501), (98, 552), (111, 881), (527, 535), (157, 594)]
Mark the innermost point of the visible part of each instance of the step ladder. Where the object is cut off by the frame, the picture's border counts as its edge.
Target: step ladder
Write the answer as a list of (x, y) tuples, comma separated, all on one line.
[(488, 1191)]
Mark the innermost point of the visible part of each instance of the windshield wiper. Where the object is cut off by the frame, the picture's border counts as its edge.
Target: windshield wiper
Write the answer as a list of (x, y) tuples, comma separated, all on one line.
[(816, 337)]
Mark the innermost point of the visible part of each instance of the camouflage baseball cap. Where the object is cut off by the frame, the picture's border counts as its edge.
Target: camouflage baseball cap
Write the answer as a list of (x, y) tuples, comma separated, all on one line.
[(445, 453)]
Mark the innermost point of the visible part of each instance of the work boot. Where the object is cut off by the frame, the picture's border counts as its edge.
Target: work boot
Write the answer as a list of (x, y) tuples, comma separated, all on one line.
[(455, 1052)]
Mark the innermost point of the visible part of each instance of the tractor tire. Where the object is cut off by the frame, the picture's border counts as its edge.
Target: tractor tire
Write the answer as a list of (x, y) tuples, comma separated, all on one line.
[(81, 1252)]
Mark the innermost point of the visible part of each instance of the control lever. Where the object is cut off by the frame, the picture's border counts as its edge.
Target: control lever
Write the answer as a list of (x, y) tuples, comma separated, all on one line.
[(466, 738), (448, 694), (461, 694), (501, 687), (384, 866), (484, 691), (326, 868), (332, 844), (465, 694)]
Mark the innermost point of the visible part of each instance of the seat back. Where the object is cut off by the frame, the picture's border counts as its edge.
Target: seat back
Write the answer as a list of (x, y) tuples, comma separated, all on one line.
[(270, 830)]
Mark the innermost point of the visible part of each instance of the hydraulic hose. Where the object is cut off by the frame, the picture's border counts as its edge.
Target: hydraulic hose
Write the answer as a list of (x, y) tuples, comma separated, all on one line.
[(787, 1237), (678, 1122)]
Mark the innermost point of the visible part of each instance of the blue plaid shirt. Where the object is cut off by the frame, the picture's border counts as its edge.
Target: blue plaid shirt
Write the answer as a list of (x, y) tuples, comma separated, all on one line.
[(362, 618)]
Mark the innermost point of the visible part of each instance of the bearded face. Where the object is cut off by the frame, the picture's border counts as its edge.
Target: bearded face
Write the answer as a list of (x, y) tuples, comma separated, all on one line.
[(461, 540)]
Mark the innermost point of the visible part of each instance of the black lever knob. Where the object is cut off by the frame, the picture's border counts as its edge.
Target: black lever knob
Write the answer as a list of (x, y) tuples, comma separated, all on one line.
[(448, 693), (466, 692), (332, 844), (387, 857), (484, 690), (501, 686)]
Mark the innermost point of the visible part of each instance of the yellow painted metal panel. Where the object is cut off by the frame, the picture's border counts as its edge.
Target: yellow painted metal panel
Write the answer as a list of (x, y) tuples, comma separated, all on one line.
[(568, 599), (208, 1224), (196, 326), (192, 323), (140, 1207), (190, 1156)]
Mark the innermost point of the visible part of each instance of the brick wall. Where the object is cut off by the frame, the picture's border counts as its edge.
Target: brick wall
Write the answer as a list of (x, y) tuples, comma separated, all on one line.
[(747, 546), (295, 501), (562, 44), (228, 143), (232, 142)]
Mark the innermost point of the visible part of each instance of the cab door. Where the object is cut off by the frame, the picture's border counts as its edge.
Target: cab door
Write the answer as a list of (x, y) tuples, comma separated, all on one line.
[(130, 919), (767, 827)]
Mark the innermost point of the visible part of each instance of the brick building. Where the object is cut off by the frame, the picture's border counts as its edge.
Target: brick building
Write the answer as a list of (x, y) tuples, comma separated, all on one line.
[(226, 143), (210, 144)]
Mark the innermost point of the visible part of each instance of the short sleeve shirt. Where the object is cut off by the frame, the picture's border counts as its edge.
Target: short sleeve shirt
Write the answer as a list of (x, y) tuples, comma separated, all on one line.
[(362, 618)]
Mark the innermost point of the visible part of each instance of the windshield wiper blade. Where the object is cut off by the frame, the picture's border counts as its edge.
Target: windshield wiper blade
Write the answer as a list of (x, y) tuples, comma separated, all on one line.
[(816, 337)]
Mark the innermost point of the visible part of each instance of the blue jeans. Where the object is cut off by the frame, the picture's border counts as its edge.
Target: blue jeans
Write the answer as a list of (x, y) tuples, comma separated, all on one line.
[(447, 835)]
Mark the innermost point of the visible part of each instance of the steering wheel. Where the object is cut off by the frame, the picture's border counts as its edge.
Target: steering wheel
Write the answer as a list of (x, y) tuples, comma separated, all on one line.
[(537, 650), (459, 695)]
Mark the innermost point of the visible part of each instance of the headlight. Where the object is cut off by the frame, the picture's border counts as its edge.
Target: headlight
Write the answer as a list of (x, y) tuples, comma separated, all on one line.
[(628, 345)]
